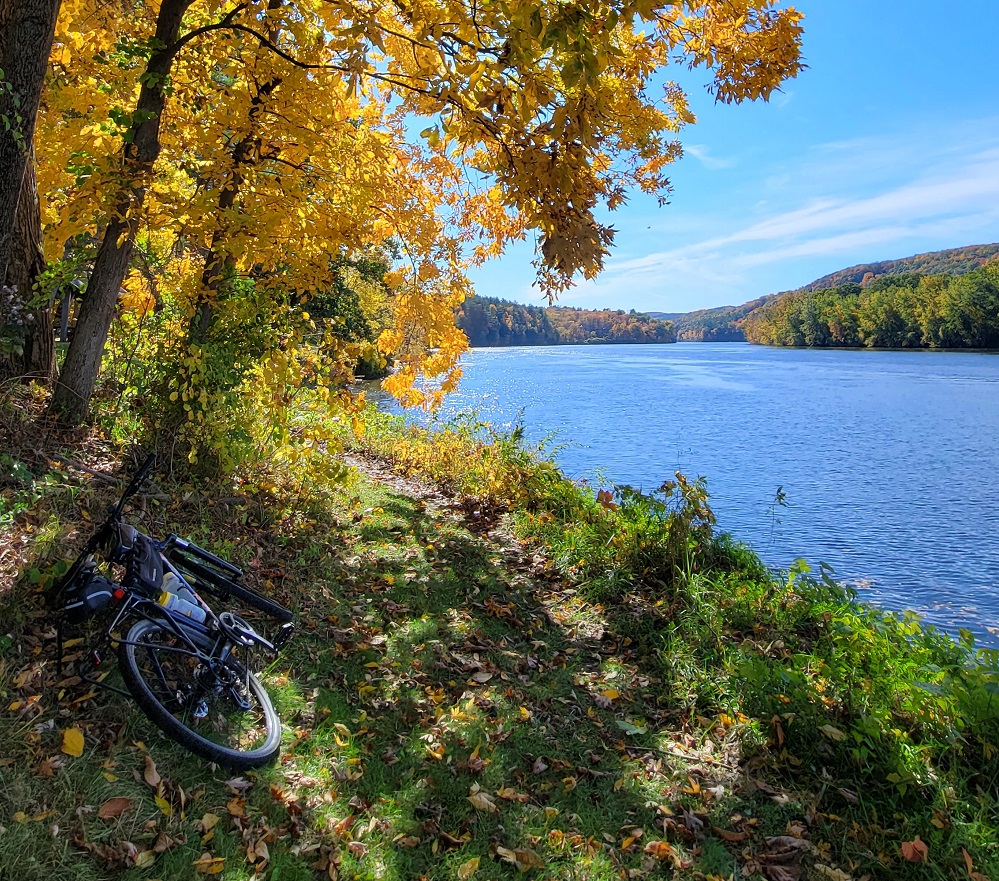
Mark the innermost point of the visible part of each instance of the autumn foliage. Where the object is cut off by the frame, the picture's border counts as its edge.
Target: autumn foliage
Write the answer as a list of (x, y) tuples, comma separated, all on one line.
[(208, 168)]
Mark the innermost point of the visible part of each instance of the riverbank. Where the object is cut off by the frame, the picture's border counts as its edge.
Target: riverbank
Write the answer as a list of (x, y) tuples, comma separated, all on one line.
[(498, 673)]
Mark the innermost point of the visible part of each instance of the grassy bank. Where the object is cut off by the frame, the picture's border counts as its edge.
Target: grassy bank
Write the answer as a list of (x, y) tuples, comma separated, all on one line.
[(499, 674)]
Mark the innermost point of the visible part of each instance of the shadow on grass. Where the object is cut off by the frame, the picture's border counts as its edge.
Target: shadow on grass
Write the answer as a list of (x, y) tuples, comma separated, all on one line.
[(436, 711)]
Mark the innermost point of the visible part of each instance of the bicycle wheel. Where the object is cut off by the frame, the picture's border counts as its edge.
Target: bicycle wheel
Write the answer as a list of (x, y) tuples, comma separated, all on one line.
[(217, 710)]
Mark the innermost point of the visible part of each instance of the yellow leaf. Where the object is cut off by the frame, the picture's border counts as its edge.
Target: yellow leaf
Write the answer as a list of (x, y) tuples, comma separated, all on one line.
[(466, 870), (72, 742), (144, 858), (206, 864), (165, 807), (612, 694)]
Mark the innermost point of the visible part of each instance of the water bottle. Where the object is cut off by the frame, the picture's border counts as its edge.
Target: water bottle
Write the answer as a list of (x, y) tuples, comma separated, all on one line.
[(176, 585), (180, 606)]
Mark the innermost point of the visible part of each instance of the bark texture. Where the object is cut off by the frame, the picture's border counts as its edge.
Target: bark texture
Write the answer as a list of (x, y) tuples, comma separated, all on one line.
[(27, 28), (34, 330)]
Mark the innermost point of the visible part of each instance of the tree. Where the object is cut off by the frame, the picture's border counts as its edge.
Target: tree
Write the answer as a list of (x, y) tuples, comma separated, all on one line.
[(540, 112), (141, 149), (26, 34)]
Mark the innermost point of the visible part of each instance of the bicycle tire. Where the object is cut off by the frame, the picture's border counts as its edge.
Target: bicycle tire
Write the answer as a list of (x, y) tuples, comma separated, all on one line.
[(149, 641)]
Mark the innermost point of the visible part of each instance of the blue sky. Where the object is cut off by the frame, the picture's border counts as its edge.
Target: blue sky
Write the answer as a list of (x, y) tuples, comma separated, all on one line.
[(886, 146)]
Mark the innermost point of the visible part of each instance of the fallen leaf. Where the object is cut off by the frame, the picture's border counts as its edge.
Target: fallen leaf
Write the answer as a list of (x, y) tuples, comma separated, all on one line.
[(482, 800), (523, 858), (150, 774), (48, 767), (235, 807), (466, 870), (408, 841), (915, 851), (481, 677), (114, 808), (783, 860), (164, 842), (165, 807), (206, 864), (72, 742), (144, 858), (970, 866), (208, 822), (661, 850), (831, 873), (727, 835), (832, 732), (539, 766)]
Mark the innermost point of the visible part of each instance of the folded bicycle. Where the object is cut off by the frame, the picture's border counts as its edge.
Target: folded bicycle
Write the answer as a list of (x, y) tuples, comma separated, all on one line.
[(190, 669)]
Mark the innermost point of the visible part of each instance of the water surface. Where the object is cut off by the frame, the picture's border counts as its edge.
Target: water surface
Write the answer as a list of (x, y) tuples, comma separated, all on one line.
[(888, 460)]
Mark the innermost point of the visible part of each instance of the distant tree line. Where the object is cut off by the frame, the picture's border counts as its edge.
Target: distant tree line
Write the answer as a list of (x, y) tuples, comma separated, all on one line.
[(488, 321), (895, 311)]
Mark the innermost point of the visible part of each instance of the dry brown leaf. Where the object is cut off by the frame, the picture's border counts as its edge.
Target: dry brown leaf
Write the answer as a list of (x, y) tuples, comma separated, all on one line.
[(915, 851), (164, 842), (481, 677), (970, 866), (114, 808), (523, 858), (482, 800), (728, 835), (782, 862), (48, 767), (150, 774), (832, 873)]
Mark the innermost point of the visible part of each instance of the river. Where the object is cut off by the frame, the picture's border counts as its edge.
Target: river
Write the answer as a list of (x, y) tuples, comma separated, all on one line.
[(889, 461)]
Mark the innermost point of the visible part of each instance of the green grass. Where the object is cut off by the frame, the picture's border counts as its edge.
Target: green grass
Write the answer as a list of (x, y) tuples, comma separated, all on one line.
[(614, 679)]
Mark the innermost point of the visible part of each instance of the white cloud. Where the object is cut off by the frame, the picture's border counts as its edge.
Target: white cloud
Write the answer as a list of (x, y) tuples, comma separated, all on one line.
[(952, 195), (702, 155)]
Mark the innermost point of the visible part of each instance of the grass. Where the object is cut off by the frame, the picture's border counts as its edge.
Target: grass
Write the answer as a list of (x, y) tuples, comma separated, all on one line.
[(508, 677)]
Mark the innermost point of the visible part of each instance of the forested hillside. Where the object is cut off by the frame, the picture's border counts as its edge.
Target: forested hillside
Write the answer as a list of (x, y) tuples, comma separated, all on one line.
[(768, 315), (488, 321), (720, 325), (954, 261), (896, 311)]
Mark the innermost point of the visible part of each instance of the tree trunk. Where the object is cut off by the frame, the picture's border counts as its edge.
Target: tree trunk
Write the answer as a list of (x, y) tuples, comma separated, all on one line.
[(34, 333), (27, 28), (75, 386)]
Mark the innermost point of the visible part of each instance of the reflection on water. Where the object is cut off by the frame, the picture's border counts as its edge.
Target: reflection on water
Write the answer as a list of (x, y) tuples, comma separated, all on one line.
[(888, 459)]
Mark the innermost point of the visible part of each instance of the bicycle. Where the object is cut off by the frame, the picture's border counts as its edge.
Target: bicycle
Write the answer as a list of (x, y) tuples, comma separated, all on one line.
[(188, 668)]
